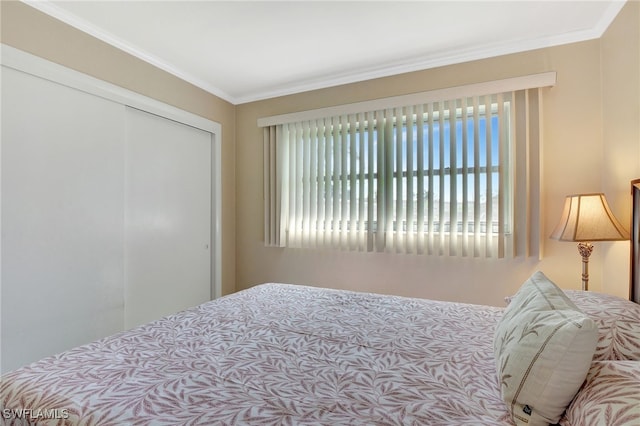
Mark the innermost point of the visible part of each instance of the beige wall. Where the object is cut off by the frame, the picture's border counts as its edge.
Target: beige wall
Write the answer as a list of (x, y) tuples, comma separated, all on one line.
[(27, 29), (573, 152), (620, 52)]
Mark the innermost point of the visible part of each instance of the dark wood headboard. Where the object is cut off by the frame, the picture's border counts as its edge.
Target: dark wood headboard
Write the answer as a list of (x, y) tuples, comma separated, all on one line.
[(634, 288)]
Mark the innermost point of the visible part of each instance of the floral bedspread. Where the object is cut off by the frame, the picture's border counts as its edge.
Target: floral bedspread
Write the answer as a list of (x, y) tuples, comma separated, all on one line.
[(276, 354)]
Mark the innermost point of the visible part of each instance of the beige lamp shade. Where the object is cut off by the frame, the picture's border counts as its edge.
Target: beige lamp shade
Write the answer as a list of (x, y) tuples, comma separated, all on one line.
[(587, 217)]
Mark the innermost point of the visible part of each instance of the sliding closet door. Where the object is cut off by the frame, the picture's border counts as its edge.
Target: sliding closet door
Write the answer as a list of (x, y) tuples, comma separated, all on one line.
[(167, 217), (62, 221)]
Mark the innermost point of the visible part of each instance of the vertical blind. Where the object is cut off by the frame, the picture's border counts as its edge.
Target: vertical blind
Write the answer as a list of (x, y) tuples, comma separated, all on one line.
[(430, 178)]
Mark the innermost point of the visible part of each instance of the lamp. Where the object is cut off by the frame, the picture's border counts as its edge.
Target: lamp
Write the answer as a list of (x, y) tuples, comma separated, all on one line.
[(586, 218)]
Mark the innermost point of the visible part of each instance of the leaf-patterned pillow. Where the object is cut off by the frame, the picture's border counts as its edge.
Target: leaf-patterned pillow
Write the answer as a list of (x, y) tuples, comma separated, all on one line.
[(610, 396), (618, 322), (543, 347)]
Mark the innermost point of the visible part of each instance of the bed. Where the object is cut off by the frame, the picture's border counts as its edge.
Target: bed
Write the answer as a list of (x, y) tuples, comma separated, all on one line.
[(279, 354)]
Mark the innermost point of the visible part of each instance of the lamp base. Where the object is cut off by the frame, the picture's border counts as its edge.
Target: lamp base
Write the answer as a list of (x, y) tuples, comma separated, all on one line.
[(585, 250)]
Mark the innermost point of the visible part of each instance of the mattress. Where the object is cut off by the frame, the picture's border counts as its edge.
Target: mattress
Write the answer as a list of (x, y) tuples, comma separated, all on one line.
[(276, 354)]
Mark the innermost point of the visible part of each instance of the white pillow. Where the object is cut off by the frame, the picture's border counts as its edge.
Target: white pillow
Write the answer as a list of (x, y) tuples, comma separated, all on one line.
[(543, 347)]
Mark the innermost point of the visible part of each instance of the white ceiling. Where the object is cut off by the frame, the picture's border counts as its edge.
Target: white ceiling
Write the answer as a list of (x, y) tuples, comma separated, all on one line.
[(243, 51)]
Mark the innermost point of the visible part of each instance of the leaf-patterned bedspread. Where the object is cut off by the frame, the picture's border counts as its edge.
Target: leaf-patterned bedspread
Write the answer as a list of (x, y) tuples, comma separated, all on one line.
[(276, 354)]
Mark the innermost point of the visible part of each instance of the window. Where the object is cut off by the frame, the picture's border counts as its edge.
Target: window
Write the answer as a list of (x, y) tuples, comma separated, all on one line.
[(429, 178)]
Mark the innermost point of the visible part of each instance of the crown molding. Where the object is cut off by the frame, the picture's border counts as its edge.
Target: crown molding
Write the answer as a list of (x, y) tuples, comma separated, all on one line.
[(354, 76), (45, 6)]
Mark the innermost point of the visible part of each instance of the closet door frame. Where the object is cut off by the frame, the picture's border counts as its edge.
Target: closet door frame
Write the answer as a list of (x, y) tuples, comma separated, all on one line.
[(22, 61)]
